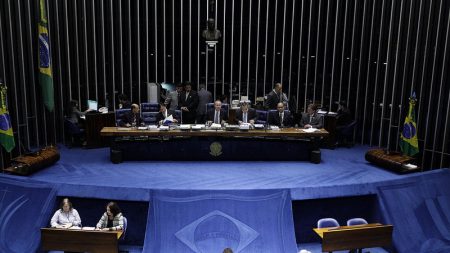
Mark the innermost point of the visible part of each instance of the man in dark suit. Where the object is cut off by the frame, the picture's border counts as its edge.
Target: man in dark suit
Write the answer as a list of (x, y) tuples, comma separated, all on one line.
[(280, 117), (164, 113), (246, 114), (311, 118), (204, 97), (188, 104), (133, 118), (276, 96), (218, 115)]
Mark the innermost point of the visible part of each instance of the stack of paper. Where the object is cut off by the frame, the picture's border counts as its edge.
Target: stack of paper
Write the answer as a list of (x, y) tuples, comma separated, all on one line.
[(197, 127), (185, 127), (168, 120), (310, 130)]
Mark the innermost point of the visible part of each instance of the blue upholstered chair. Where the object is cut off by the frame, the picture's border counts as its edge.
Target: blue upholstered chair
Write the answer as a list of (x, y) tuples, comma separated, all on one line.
[(261, 117), (210, 107), (355, 222), (327, 223), (178, 116), (75, 133), (124, 231), (149, 107), (120, 114), (125, 224), (345, 134), (149, 118)]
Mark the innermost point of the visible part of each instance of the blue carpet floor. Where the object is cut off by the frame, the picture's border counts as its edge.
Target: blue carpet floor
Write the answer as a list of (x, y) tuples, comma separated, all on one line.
[(343, 168), (88, 173)]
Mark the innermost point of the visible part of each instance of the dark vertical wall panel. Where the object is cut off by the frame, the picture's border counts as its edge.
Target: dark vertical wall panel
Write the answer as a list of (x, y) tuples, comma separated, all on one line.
[(372, 54)]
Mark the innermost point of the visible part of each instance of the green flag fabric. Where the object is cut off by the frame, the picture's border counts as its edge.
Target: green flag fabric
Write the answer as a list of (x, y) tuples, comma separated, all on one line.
[(45, 65), (408, 140), (6, 132)]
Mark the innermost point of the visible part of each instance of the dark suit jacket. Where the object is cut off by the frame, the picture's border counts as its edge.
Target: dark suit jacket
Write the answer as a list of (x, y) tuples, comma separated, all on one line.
[(272, 100), (274, 118), (191, 102), (250, 116), (223, 115), (315, 121), (129, 117), (160, 115)]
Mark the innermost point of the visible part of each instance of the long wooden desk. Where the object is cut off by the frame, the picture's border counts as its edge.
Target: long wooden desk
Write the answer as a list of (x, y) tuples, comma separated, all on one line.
[(288, 144), (284, 132), (93, 241), (355, 237)]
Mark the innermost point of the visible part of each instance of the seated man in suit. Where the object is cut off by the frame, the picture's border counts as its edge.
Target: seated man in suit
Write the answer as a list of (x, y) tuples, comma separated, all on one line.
[(133, 118), (164, 113), (311, 118), (246, 114), (218, 115), (280, 117)]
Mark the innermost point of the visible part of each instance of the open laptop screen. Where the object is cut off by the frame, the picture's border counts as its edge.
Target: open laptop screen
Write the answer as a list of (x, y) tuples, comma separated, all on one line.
[(92, 104)]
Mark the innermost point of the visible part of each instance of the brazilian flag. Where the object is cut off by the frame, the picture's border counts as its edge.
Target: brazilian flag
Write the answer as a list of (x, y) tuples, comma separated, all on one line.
[(408, 140), (6, 132), (45, 65)]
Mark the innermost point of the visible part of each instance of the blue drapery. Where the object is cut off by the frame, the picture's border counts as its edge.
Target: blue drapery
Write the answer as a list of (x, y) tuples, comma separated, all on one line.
[(25, 207), (200, 222)]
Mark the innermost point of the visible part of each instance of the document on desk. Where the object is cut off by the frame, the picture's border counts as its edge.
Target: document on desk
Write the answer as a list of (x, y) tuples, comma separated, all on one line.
[(75, 228), (66, 225), (123, 129), (169, 119), (88, 228), (310, 130)]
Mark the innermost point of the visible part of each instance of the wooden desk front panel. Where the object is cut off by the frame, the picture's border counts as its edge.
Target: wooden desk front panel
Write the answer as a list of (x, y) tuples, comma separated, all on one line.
[(285, 132), (355, 237), (80, 240)]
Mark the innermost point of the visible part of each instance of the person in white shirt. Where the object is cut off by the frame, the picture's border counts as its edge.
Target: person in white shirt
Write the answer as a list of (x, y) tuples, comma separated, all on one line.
[(66, 215)]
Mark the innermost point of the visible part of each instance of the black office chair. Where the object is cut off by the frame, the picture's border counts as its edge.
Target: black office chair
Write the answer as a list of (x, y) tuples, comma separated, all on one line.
[(75, 133)]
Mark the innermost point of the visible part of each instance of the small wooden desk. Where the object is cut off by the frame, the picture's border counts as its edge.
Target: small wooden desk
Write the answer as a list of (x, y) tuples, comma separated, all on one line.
[(94, 241), (355, 237), (94, 124)]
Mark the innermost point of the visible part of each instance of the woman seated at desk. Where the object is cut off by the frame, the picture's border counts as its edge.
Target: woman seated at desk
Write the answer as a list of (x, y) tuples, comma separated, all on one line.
[(66, 216), (112, 219)]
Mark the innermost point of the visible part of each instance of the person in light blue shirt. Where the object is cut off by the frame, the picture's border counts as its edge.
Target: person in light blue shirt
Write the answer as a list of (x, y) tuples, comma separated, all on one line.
[(66, 215)]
